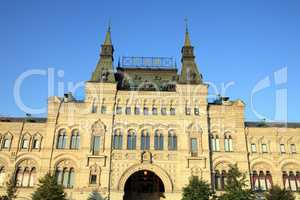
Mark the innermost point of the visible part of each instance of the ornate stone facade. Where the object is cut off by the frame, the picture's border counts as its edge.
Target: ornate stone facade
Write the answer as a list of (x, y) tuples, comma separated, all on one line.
[(99, 143)]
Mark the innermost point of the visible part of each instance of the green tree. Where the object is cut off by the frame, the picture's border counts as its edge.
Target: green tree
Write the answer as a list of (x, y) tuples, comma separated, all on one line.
[(10, 189), (48, 189), (236, 186), (276, 193), (197, 189)]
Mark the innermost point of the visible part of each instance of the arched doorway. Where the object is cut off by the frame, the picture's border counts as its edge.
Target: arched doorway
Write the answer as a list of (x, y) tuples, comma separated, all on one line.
[(143, 185)]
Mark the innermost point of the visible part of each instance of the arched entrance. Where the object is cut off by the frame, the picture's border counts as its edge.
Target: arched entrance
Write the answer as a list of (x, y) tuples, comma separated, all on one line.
[(143, 185)]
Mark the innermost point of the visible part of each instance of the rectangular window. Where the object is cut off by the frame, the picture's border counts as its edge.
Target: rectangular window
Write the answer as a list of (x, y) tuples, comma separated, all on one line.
[(163, 111), (93, 179), (264, 148), (96, 145), (136, 110), (25, 144), (172, 111), (282, 148), (154, 111), (194, 147), (119, 110), (226, 144), (188, 111), (293, 148), (253, 148), (146, 111), (103, 109), (196, 111), (128, 110)]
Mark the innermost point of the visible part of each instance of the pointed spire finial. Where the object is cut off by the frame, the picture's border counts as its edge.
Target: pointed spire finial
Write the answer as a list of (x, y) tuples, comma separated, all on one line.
[(107, 40), (187, 41)]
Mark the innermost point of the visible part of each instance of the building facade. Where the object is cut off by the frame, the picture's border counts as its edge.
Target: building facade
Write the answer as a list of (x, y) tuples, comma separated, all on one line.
[(141, 132)]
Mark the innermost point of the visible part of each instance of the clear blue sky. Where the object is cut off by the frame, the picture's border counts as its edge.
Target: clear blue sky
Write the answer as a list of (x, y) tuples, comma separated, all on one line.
[(240, 41)]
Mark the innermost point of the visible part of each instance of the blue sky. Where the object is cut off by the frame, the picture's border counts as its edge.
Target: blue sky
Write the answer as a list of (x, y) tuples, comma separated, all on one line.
[(239, 41)]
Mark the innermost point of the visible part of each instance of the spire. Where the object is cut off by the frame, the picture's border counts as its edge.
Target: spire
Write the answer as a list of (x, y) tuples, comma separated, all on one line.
[(187, 41), (189, 71), (104, 70), (108, 36)]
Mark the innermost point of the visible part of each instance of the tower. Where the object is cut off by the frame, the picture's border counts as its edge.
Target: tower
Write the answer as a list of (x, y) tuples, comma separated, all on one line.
[(104, 69), (189, 72)]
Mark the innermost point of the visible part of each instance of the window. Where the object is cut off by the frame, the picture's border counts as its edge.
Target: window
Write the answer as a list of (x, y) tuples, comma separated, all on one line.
[(61, 139), (36, 142), (220, 180), (119, 110), (154, 111), (93, 179), (215, 143), (172, 111), (103, 109), (228, 143), (262, 181), (264, 148), (128, 110), (136, 110), (25, 143), (172, 141), (282, 148), (163, 111), (196, 111), (145, 140), (194, 147), (26, 176), (293, 148), (117, 140), (188, 111), (253, 148), (6, 141), (75, 140), (158, 140), (146, 111), (131, 140), (94, 108), (95, 148), (65, 177), (291, 181)]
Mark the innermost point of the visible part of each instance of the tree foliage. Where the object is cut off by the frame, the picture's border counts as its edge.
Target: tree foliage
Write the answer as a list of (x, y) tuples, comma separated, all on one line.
[(48, 189), (10, 189), (197, 189), (276, 193), (236, 186)]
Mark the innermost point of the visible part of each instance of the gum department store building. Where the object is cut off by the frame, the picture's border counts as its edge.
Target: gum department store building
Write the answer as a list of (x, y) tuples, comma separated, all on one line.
[(141, 132)]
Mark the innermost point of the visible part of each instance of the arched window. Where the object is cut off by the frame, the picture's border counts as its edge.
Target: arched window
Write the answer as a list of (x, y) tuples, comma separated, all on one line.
[(2, 176), (117, 139), (33, 176), (25, 179), (131, 140), (291, 181), (19, 177), (255, 181), (61, 139), (65, 177), (262, 181), (158, 140), (6, 141), (145, 140), (172, 140), (75, 140), (26, 174), (217, 180), (217, 143)]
